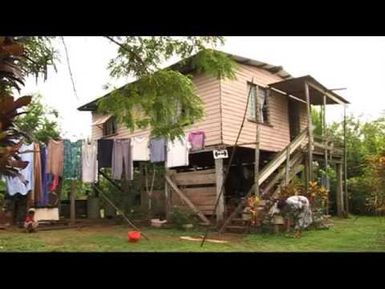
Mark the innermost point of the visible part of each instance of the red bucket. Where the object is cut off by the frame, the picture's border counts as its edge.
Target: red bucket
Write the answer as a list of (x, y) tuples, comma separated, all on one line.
[(133, 236)]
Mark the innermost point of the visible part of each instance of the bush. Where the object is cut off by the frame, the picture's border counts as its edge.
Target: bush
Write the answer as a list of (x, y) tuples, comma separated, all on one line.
[(180, 216)]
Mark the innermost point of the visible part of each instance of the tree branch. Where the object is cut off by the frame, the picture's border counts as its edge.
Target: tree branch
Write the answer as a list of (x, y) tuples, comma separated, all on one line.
[(129, 51)]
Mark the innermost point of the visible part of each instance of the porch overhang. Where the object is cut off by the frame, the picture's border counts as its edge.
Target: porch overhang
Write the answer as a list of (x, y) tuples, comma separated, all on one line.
[(101, 120), (296, 88)]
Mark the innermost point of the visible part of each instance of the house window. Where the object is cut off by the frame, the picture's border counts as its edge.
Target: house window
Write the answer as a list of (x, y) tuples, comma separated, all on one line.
[(181, 112), (263, 116), (109, 127)]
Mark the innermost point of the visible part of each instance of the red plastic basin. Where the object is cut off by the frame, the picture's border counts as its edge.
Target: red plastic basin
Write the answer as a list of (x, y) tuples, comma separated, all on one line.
[(133, 236)]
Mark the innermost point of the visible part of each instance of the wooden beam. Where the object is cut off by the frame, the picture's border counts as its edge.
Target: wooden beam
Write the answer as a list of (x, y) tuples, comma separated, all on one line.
[(219, 181), (287, 94), (256, 162), (298, 168), (297, 158), (237, 210), (287, 166), (326, 163), (281, 157), (167, 194), (345, 168), (192, 178), (121, 213), (339, 195), (328, 94), (186, 200), (72, 202), (310, 133), (142, 189), (110, 180)]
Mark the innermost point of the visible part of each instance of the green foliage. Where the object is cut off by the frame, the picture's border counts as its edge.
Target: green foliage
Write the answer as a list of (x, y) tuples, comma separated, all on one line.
[(316, 115), (39, 55), (164, 100), (181, 216), (39, 121), (19, 56), (365, 142)]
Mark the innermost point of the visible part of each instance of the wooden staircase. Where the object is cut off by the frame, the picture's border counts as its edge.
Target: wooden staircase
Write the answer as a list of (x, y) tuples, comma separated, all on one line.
[(280, 170)]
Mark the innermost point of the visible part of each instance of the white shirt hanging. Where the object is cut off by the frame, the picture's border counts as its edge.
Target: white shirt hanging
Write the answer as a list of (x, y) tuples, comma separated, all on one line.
[(89, 162), (178, 152), (140, 148)]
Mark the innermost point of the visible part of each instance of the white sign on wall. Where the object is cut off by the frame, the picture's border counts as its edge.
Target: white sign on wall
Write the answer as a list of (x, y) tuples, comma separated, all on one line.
[(220, 154)]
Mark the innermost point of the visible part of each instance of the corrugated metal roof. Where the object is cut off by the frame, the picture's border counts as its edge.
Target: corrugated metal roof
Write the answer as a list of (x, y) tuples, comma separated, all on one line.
[(296, 87), (278, 70)]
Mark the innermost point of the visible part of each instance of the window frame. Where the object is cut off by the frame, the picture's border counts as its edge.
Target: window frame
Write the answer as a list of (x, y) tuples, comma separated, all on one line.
[(265, 108), (114, 127)]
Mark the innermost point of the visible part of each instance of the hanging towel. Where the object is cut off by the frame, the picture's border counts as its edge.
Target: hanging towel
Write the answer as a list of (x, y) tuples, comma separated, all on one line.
[(55, 158), (72, 159), (37, 172), (105, 153)]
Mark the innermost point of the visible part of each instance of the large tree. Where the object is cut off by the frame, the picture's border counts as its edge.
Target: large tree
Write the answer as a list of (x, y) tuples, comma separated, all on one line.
[(39, 123), (163, 100), (19, 57)]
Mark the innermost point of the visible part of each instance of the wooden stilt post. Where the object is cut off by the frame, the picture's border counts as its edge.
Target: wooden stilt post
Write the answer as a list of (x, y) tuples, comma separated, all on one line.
[(326, 151), (287, 170), (142, 189), (167, 201), (345, 168), (340, 199), (310, 134), (219, 182), (256, 164), (72, 202)]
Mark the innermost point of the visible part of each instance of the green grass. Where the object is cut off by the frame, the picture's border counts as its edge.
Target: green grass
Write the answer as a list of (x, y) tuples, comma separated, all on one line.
[(364, 234)]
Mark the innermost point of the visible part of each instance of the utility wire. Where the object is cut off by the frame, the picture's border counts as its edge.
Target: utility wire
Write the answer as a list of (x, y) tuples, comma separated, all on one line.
[(69, 68)]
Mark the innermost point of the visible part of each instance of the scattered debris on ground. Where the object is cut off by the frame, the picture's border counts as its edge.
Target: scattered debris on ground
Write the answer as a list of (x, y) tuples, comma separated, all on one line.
[(201, 238)]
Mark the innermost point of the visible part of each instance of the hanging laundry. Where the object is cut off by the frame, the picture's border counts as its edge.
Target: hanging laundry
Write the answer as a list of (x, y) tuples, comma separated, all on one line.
[(37, 188), (140, 149), (121, 159), (23, 183), (197, 140), (105, 153), (89, 164), (72, 159), (55, 158), (18, 187), (157, 150), (41, 197), (177, 153), (53, 185)]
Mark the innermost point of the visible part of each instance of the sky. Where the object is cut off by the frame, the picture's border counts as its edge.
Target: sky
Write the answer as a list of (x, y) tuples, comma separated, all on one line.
[(354, 63)]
